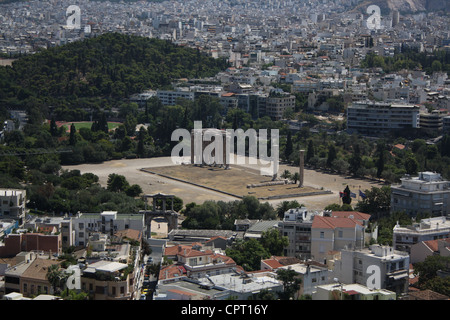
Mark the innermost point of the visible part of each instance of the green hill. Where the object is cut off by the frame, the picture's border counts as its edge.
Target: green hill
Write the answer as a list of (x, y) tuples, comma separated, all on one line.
[(98, 73)]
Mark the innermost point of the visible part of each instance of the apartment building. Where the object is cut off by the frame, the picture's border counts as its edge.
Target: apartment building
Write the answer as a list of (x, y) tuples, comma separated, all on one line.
[(63, 225), (354, 291), (108, 222), (277, 104), (428, 192), (404, 237), (376, 118), (296, 225), (379, 267), (311, 274), (334, 234), (12, 204), (431, 122), (107, 280), (16, 243), (197, 262), (169, 98), (28, 275)]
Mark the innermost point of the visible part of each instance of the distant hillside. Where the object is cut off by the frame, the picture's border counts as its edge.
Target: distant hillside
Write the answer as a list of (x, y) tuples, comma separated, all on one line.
[(406, 6), (99, 71)]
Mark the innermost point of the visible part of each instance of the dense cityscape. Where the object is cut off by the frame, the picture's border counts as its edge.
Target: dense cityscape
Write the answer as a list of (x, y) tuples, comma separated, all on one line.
[(350, 97)]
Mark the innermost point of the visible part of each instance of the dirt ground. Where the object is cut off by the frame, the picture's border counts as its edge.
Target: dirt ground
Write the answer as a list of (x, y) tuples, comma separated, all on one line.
[(151, 184), (234, 181)]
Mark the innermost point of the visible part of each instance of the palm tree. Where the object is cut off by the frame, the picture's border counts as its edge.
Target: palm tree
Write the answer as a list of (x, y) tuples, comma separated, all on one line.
[(286, 174), (56, 277), (296, 177)]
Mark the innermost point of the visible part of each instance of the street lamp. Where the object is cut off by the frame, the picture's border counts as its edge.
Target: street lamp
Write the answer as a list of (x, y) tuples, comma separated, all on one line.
[(340, 284)]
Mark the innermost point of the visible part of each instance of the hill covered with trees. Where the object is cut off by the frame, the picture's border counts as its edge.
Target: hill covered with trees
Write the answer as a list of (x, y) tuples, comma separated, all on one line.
[(98, 73)]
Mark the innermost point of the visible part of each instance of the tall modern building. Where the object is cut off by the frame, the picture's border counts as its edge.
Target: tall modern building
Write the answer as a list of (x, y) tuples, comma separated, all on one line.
[(427, 193), (377, 118)]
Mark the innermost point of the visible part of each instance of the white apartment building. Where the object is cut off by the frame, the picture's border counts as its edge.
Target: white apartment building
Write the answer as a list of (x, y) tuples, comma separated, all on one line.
[(311, 276), (354, 291), (372, 118), (380, 267), (169, 98), (296, 225), (404, 237), (12, 204), (427, 192), (107, 222)]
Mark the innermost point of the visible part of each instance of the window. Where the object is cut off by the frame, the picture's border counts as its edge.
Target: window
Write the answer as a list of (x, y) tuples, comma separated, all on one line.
[(340, 233), (322, 234)]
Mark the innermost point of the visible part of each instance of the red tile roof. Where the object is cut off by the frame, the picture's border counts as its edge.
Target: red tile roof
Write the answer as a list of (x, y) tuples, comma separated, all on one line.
[(320, 222), (346, 214)]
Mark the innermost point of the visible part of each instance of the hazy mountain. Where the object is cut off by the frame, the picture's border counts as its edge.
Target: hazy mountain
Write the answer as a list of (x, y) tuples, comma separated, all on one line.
[(406, 6)]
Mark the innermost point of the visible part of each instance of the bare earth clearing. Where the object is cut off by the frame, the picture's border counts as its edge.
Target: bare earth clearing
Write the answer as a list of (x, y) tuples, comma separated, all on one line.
[(234, 181)]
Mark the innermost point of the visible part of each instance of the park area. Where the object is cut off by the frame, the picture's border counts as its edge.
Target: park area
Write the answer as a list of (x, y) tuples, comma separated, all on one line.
[(237, 181), (190, 188), (84, 124)]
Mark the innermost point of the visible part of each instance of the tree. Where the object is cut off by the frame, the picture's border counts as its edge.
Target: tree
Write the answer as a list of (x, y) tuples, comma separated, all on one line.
[(285, 206), (56, 277), (291, 283), (296, 177), (117, 183), (355, 160), (248, 253), (411, 165), (72, 137), (427, 269), (289, 148), (286, 174), (53, 127), (376, 201), (331, 155), (310, 151), (134, 190), (273, 241)]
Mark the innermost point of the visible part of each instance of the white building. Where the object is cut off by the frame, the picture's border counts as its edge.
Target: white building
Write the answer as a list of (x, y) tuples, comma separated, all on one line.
[(379, 267), (296, 225), (169, 98), (107, 222), (426, 193), (371, 118), (311, 276), (404, 237), (354, 291), (12, 204)]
